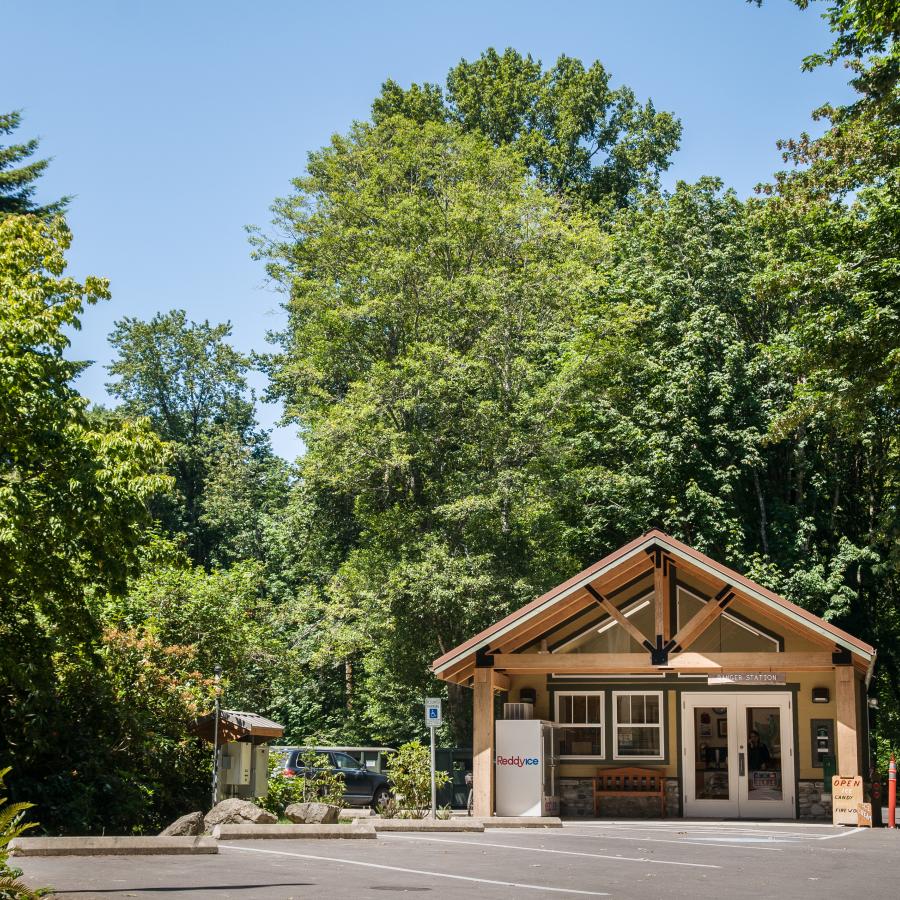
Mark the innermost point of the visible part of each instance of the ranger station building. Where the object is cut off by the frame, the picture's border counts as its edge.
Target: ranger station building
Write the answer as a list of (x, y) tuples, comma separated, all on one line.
[(666, 678)]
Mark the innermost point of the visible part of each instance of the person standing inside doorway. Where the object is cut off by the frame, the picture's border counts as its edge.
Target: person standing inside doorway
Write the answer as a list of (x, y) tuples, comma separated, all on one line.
[(758, 753)]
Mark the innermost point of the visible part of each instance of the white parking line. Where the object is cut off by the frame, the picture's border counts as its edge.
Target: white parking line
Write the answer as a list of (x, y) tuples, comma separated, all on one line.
[(705, 834), (696, 832), (369, 865), (829, 837), (655, 840), (681, 827), (723, 833), (694, 823), (477, 843)]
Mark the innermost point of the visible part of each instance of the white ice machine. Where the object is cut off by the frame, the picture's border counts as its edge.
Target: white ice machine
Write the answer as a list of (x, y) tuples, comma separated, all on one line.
[(525, 767)]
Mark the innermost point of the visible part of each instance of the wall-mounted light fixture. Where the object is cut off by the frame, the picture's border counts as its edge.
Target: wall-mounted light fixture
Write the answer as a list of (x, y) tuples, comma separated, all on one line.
[(821, 695)]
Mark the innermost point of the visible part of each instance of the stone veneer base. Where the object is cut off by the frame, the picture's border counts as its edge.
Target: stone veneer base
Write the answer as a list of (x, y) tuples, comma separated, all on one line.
[(577, 801)]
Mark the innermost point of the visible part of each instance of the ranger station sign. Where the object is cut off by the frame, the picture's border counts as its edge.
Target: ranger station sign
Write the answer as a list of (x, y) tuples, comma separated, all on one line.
[(747, 678)]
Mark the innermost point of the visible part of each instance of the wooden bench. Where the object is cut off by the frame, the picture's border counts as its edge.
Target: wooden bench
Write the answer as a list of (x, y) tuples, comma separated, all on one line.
[(629, 782)]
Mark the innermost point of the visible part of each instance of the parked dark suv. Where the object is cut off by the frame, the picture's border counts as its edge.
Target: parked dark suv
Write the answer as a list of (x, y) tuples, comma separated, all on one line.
[(361, 786)]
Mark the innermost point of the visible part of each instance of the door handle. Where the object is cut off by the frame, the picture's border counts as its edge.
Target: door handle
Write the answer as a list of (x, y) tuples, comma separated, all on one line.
[(740, 763)]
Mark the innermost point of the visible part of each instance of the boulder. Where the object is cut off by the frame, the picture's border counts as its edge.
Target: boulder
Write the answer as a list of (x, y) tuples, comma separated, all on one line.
[(238, 812), (313, 813), (190, 824)]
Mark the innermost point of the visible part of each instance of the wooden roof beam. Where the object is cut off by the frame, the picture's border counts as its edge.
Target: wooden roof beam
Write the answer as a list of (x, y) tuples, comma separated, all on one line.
[(620, 617), (697, 624), (638, 663), (537, 628)]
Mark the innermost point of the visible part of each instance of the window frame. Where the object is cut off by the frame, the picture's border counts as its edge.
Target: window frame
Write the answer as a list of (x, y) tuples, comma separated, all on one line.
[(661, 726), (601, 724)]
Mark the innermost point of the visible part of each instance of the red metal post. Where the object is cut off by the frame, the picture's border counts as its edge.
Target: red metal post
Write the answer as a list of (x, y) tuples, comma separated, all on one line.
[(892, 793)]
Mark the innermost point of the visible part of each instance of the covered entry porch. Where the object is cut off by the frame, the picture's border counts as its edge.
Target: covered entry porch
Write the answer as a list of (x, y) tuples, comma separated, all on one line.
[(660, 658)]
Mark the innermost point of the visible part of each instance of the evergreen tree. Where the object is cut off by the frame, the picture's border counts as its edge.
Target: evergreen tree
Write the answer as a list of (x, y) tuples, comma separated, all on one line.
[(18, 174)]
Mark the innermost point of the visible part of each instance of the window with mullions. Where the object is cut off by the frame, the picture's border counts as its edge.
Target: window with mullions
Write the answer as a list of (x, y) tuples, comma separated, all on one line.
[(579, 731), (637, 725)]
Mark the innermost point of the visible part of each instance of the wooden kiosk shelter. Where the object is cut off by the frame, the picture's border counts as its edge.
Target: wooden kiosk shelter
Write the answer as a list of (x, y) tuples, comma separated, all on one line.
[(242, 751), (658, 656), (238, 726)]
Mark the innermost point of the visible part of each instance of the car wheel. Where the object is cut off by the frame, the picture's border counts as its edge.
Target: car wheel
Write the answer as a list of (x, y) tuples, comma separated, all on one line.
[(382, 795)]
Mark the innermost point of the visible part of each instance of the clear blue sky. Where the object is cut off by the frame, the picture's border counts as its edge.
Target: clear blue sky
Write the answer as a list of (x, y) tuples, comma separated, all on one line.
[(175, 124)]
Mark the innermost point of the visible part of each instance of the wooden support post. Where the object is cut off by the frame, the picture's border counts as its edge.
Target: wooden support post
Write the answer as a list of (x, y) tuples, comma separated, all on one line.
[(670, 616), (660, 597), (845, 695), (483, 743)]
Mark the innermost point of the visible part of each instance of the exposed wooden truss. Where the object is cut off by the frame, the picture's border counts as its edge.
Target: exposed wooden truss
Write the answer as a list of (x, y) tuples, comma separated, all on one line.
[(569, 615), (623, 620), (697, 624)]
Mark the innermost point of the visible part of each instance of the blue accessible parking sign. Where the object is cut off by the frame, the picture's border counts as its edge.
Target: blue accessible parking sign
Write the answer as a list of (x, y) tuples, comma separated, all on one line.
[(433, 716)]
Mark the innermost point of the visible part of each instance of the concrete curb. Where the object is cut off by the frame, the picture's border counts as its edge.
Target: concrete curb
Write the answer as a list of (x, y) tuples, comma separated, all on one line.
[(291, 832), (112, 846), (427, 825), (521, 822)]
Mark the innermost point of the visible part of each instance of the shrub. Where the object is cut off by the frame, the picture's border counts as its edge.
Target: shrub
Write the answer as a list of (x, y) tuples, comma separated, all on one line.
[(11, 826), (388, 808), (283, 790), (320, 782), (409, 771), (316, 782)]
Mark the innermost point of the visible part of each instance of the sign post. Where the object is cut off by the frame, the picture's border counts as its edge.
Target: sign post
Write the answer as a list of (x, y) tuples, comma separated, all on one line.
[(215, 771), (433, 719)]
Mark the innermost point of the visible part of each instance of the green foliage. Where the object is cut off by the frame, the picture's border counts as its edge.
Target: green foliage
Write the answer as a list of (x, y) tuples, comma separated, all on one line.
[(18, 174), (11, 827), (74, 492), (192, 385), (283, 790), (85, 483), (184, 376), (508, 352), (576, 133), (831, 225), (319, 781), (419, 374), (409, 771)]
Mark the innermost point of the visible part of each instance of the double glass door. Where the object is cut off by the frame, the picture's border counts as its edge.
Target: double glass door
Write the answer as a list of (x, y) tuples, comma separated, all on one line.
[(738, 755)]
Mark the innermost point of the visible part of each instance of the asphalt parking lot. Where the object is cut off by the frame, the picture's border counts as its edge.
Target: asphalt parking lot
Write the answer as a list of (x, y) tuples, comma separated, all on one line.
[(631, 859)]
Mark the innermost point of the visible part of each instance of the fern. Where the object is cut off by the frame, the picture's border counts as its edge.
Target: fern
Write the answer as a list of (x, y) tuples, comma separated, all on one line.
[(17, 890), (11, 827)]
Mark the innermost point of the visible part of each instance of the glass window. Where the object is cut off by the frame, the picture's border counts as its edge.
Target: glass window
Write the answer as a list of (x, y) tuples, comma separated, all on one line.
[(582, 715), (345, 761), (637, 726), (764, 753)]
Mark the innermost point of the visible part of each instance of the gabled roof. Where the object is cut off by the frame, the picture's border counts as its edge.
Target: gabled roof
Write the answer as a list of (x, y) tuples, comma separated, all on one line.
[(235, 726), (526, 620)]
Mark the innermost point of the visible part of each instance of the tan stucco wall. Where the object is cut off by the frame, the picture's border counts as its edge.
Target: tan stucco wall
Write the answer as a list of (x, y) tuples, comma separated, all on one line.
[(806, 711)]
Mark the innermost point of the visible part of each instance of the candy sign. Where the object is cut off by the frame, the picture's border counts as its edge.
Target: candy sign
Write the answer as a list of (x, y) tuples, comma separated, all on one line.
[(846, 797)]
